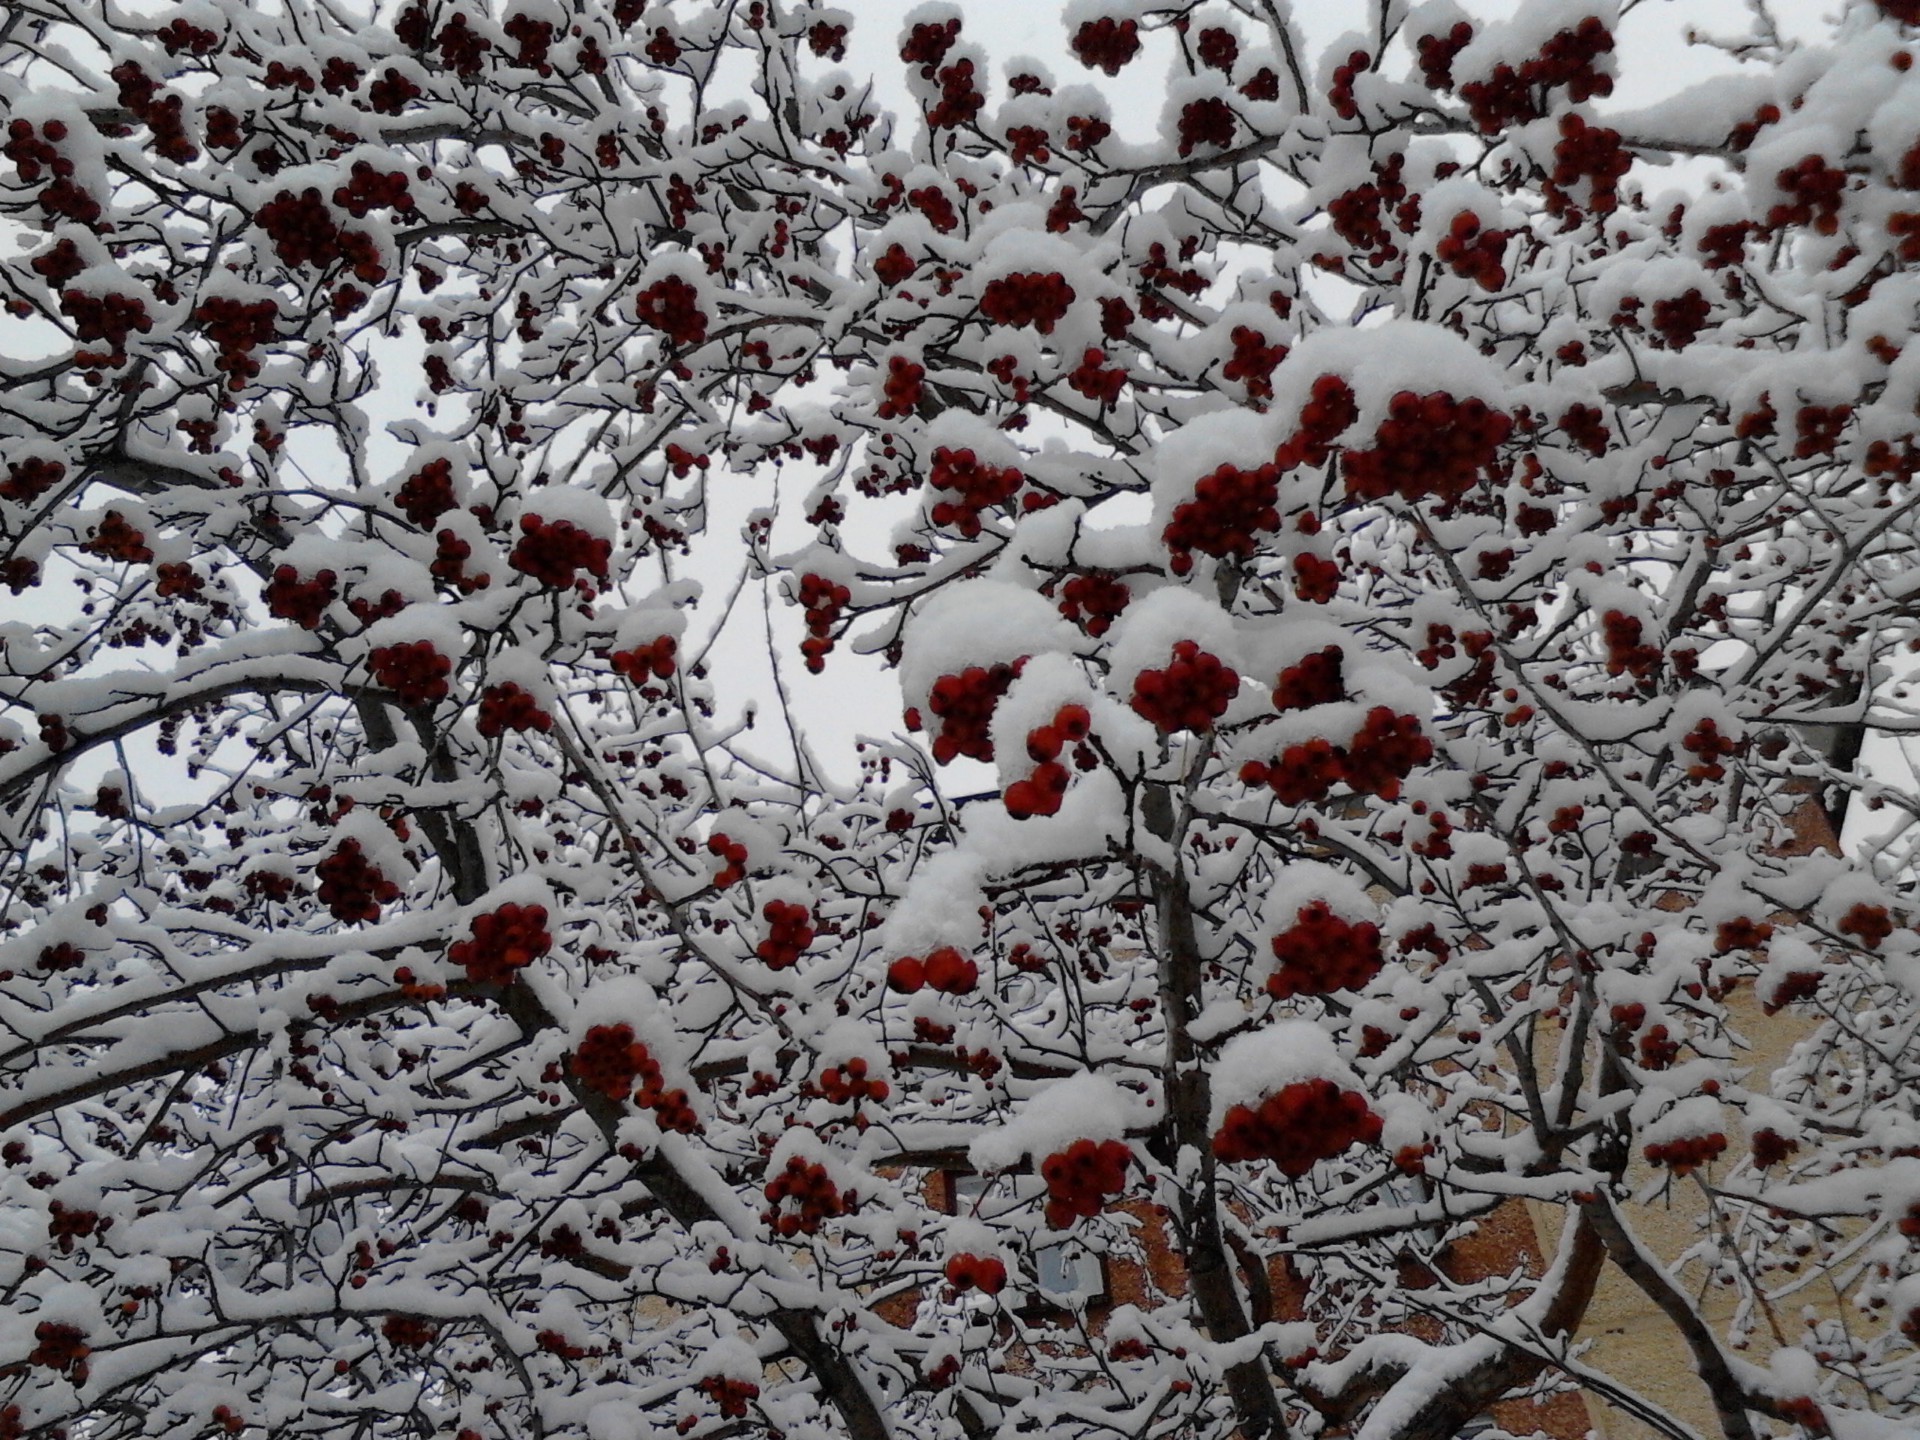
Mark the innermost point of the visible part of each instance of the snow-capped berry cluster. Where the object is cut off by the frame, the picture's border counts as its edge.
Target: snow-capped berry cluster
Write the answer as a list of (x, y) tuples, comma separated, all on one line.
[(1686, 1153), (413, 670), (901, 390), (304, 232), (1321, 953), (609, 1060), (34, 151), (1593, 153), (1708, 747), (1428, 445), (368, 189), (1107, 44), (427, 494), (1028, 298), (1253, 362), (1093, 601), (1229, 510), (1298, 1126), (732, 1397), (352, 887), (237, 328), (1081, 1177), (111, 317), (503, 943), (984, 1273), (1814, 190), (1207, 121), (979, 485), (642, 663), (789, 932), (1474, 253), (813, 1195), (964, 705), (1041, 792), (1625, 654), (944, 969), (1192, 692), (849, 1084), (507, 707), (823, 600), (1510, 95), (27, 480), (1319, 679), (554, 552), (733, 857), (1383, 753), (672, 306)]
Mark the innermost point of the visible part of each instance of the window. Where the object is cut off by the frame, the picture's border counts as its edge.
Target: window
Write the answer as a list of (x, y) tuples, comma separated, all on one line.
[(1063, 1271)]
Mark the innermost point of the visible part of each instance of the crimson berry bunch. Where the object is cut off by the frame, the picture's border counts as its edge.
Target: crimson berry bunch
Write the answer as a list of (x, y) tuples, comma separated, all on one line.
[(65, 1227), (672, 306), (1511, 96), (824, 599), (408, 1332), (237, 328), (1081, 1177), (1625, 654), (1229, 509), (304, 232), (116, 539), (1298, 1126), (303, 602), (1321, 953), (1586, 426), (427, 494), (1473, 253), (984, 1273), (944, 969), (1356, 214), (1107, 44), (789, 932), (1592, 153), (62, 1347), (978, 484), (162, 114), (111, 317), (1300, 774), (507, 707), (1093, 601), (964, 705), (732, 1396), (815, 1198), (553, 552), (733, 856), (1207, 121), (1819, 428), (960, 99), (34, 152), (1709, 747), (1436, 54), (368, 189), (352, 887), (1319, 679), (503, 943), (610, 1061), (413, 670), (648, 661), (901, 390), (1869, 924), (1316, 579), (927, 45), (1042, 792), (1340, 93), (1029, 298), (1686, 1153), (1191, 693), (1093, 379), (1253, 362), (1385, 751), (1813, 190), (1428, 445), (849, 1084), (27, 480)]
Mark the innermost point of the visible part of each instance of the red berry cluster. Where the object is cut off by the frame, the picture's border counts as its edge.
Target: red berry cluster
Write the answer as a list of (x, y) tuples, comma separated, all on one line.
[(1474, 254), (1428, 445), (849, 1084), (1341, 92), (1091, 379), (164, 115), (1625, 654), (1316, 580), (933, 202), (960, 99), (1107, 44), (1207, 121), (304, 232), (1356, 213), (1081, 1177), (27, 480), (1301, 773), (1323, 419), (672, 306), (944, 969), (1819, 428), (1229, 509), (645, 662), (927, 45), (964, 704), (553, 552), (110, 317), (63, 1347), (1094, 601), (1586, 426), (237, 328), (824, 599), (1708, 747), (1303, 1124), (302, 601), (1253, 362), (1687, 1153), (1869, 924), (1321, 953), (901, 391), (504, 942), (1509, 96), (733, 856), (609, 1060), (1384, 753), (789, 932), (732, 1396), (413, 670), (115, 539), (977, 1272), (1190, 694), (368, 189), (979, 485), (1813, 189), (1028, 298), (352, 887), (1437, 53), (1041, 792), (34, 152), (1770, 1148), (1319, 679), (1586, 152), (508, 707), (427, 494), (815, 1197)]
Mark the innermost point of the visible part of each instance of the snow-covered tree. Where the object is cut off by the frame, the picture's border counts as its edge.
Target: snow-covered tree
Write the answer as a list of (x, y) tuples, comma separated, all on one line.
[(1363, 570)]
